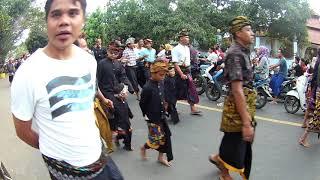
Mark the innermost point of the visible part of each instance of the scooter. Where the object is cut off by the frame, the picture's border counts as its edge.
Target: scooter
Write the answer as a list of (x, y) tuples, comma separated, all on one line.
[(296, 98)]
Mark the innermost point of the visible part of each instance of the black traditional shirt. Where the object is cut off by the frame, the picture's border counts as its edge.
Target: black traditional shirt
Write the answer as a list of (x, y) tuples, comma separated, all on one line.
[(99, 53), (109, 74), (152, 101)]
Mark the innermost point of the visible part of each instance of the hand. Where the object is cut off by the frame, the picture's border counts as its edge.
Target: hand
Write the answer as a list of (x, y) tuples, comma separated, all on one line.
[(247, 133), (109, 103), (184, 77)]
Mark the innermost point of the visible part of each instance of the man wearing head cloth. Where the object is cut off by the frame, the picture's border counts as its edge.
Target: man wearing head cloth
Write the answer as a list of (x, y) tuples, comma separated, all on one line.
[(235, 153), (152, 105), (186, 89)]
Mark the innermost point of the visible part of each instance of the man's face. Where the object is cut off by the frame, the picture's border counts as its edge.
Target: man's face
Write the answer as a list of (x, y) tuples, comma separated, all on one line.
[(184, 40), (64, 23), (83, 43), (246, 35), (280, 54), (148, 44), (141, 43), (112, 53), (130, 45), (158, 76), (98, 42)]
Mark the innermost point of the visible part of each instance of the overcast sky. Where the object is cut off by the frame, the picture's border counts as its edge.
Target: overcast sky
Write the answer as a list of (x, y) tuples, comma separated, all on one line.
[(91, 4), (94, 4)]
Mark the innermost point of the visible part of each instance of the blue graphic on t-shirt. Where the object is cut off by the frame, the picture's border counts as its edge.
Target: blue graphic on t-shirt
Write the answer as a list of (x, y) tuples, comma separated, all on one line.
[(73, 96)]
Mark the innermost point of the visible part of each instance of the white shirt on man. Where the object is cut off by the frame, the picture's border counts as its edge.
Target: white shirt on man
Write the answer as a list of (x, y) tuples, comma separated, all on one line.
[(58, 96), (181, 55)]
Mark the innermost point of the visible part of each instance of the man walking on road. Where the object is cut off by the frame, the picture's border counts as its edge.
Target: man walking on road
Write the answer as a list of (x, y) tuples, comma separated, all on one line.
[(238, 122), (58, 97), (186, 89)]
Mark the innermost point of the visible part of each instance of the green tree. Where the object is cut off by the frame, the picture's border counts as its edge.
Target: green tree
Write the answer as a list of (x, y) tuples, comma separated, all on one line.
[(12, 16)]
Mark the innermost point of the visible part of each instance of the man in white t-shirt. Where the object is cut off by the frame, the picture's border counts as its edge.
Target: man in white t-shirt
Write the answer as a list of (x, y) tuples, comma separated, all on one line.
[(186, 89), (58, 99)]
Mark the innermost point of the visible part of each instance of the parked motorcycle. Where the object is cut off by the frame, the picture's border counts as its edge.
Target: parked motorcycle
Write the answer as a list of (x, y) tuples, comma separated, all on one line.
[(262, 88), (215, 86), (199, 81), (296, 98)]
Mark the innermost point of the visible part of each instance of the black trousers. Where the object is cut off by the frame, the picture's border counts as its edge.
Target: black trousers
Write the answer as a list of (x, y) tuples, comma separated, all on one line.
[(131, 72), (10, 78), (172, 110), (126, 138), (141, 75)]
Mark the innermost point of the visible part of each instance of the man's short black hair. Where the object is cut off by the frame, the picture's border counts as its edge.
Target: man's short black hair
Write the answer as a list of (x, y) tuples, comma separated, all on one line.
[(49, 3)]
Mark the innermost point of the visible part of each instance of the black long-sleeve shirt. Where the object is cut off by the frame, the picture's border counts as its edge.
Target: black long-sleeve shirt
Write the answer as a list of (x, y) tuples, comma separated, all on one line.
[(152, 101), (99, 53), (109, 74)]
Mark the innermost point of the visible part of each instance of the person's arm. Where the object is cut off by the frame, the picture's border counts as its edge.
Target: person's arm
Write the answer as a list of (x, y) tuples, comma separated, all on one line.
[(144, 100), (183, 76), (25, 132), (101, 97)]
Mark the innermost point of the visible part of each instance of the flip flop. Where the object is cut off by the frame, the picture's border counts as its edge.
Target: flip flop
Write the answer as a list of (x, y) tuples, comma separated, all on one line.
[(215, 163), (197, 113)]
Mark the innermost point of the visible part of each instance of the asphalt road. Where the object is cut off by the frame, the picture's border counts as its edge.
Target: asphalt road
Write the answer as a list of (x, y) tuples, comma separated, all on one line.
[(277, 155)]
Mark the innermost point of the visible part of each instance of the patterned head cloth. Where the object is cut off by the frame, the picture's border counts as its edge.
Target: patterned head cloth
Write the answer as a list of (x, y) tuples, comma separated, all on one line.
[(159, 65), (183, 33), (238, 23), (263, 52)]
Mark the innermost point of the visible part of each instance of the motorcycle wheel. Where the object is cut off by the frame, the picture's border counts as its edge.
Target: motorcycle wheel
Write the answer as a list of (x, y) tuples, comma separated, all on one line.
[(262, 99), (200, 83), (291, 104), (212, 92)]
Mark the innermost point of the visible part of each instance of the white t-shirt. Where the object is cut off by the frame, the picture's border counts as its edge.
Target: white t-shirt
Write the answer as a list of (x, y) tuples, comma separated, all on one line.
[(181, 55), (58, 96)]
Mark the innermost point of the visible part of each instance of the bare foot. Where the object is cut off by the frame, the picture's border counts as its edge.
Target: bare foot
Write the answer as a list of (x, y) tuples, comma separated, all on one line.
[(225, 177), (164, 162), (304, 143), (214, 160), (273, 102), (143, 153)]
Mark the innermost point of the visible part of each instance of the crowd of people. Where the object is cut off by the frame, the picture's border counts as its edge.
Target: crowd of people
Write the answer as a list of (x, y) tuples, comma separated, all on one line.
[(77, 89)]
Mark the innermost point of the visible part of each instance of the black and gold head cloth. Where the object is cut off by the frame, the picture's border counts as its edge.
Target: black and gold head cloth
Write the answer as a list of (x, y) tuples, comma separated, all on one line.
[(159, 65), (238, 23)]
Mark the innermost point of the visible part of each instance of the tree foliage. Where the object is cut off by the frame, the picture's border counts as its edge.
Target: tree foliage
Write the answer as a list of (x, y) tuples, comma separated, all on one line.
[(161, 20), (12, 18)]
